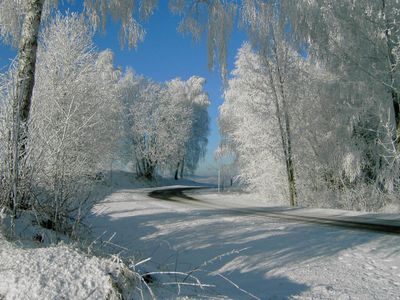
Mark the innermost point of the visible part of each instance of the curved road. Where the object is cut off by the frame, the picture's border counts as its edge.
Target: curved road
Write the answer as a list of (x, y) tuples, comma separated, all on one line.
[(361, 223)]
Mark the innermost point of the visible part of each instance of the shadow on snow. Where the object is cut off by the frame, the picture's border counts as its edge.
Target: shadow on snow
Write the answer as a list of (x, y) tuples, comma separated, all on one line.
[(245, 249)]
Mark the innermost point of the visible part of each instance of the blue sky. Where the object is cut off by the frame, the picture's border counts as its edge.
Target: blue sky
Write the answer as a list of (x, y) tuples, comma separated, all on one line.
[(166, 54)]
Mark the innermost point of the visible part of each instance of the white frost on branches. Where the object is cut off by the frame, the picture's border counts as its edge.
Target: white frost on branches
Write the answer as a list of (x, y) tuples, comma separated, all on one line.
[(168, 123)]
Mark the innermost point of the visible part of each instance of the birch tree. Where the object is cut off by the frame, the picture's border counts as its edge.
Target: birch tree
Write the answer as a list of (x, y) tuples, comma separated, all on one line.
[(166, 124), (255, 104), (267, 35), (193, 140), (74, 124), (358, 41), (198, 139), (75, 118), (345, 137)]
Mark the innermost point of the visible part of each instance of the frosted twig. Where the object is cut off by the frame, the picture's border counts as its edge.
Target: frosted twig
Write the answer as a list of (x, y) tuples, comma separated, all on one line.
[(238, 287), (112, 236), (147, 287), (94, 242), (189, 283), (177, 273), (142, 262), (116, 245), (212, 260)]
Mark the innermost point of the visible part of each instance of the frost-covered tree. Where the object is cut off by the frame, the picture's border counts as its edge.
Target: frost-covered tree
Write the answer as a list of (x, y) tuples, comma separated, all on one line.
[(20, 22), (340, 155), (267, 35), (198, 140), (358, 42), (356, 39), (215, 18), (144, 120), (166, 124), (355, 46), (128, 90), (74, 123), (191, 94), (253, 124), (177, 93)]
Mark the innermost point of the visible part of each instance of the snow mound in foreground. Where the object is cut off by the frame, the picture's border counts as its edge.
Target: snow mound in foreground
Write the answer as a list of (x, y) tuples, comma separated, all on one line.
[(57, 272)]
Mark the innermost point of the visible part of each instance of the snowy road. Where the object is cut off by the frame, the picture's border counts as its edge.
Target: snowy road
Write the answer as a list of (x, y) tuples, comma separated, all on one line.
[(361, 222), (267, 258)]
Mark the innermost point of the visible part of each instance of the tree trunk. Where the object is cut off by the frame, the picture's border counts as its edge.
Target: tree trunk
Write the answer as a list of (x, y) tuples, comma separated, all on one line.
[(283, 119), (24, 88), (27, 58), (292, 182), (392, 65), (176, 172), (182, 167), (25, 83), (289, 151), (288, 134)]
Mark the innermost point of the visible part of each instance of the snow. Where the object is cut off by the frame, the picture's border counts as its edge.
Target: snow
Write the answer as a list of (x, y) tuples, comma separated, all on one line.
[(249, 200), (55, 268), (233, 255), (247, 257), (57, 272)]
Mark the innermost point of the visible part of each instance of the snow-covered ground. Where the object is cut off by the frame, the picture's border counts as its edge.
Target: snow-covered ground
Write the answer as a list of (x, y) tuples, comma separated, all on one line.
[(56, 272), (233, 255), (243, 256), (38, 263)]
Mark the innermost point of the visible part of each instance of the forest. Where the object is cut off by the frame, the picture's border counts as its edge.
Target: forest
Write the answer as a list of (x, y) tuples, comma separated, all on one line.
[(311, 110)]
